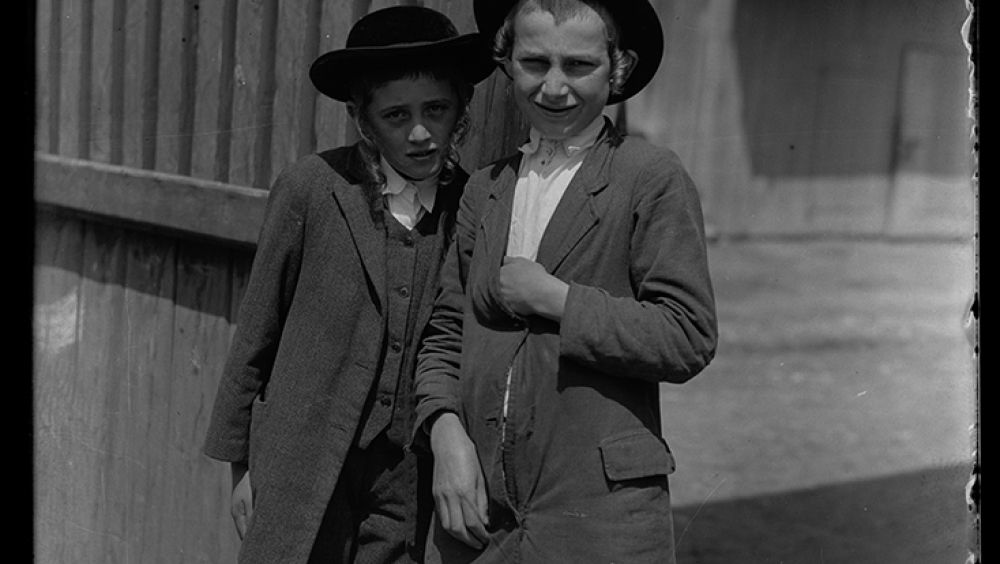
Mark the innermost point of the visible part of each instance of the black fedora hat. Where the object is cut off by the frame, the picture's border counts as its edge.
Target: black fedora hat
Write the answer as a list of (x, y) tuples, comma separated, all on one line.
[(639, 27), (398, 36)]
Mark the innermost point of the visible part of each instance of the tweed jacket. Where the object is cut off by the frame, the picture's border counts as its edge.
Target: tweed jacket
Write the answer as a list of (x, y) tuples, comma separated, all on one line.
[(308, 346), (575, 465)]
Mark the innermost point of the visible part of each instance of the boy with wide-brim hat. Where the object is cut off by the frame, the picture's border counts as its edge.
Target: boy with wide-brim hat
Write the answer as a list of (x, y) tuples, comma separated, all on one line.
[(314, 409), (578, 281)]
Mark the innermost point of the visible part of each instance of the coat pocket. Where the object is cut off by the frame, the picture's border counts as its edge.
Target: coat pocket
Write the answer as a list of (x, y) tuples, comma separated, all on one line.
[(636, 455)]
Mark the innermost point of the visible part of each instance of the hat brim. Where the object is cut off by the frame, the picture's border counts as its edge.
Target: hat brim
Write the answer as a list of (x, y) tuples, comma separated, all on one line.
[(640, 32), (331, 72)]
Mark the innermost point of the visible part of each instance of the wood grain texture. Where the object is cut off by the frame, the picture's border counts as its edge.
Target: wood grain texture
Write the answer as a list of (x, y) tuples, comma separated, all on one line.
[(98, 483), (204, 131), (201, 342), (58, 263), (245, 90), (150, 286), (100, 81), (152, 200)]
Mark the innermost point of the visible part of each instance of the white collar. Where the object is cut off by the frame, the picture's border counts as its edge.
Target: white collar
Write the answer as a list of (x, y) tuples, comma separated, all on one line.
[(426, 190), (571, 145)]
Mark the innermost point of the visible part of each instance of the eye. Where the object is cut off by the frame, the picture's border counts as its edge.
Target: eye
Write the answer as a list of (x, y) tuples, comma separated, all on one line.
[(437, 109), (395, 115), (580, 66), (534, 64)]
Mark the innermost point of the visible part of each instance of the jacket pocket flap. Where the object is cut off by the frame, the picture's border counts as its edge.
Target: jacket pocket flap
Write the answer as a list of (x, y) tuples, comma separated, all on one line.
[(636, 456)]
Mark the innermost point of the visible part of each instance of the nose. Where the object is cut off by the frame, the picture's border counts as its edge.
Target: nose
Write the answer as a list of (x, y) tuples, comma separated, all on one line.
[(419, 134), (555, 85)]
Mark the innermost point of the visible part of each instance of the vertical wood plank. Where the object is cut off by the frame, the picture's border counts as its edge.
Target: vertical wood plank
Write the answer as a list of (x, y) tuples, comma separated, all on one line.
[(43, 80), (295, 97), (58, 263), (84, 62), (226, 94), (206, 111), (306, 122), (201, 342), (245, 88), (99, 79), (119, 36), (171, 91), (189, 78), (97, 481), (150, 287), (264, 104), (132, 83), (151, 82), (332, 122), (68, 85)]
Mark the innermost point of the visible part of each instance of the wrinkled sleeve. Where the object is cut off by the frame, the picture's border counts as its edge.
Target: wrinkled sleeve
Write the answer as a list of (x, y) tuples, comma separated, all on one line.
[(438, 363), (667, 331), (261, 318)]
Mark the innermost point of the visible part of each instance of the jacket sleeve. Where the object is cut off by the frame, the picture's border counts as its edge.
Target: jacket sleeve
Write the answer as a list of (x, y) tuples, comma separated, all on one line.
[(666, 331), (437, 376), (261, 319)]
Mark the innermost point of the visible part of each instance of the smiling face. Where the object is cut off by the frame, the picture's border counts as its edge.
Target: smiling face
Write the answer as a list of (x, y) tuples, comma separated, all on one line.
[(561, 72), (412, 120)]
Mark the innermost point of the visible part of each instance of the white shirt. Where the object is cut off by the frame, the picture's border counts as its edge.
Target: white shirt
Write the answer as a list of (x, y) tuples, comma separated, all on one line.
[(407, 201), (546, 170)]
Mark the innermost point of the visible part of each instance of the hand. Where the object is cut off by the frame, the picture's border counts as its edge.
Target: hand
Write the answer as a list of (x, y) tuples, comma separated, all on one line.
[(529, 290), (459, 489), (242, 501)]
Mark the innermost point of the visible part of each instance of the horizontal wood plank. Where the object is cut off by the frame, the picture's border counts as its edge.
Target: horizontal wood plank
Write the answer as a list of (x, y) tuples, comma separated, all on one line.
[(156, 200)]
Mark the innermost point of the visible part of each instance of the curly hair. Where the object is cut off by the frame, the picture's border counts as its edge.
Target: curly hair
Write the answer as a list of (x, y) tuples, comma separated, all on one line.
[(562, 10)]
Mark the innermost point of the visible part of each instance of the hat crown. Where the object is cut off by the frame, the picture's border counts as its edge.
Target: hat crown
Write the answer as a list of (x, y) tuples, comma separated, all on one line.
[(401, 25)]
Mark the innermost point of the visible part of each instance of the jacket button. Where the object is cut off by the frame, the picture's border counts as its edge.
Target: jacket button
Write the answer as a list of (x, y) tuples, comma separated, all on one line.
[(396, 346), (408, 241), (386, 401), (404, 291)]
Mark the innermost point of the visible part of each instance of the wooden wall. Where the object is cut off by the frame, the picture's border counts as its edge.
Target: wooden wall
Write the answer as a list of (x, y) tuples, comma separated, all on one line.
[(212, 89), (160, 126), (131, 329)]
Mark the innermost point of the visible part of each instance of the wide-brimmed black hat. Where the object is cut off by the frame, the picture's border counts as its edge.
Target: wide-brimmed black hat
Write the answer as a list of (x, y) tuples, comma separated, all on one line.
[(639, 31), (400, 36)]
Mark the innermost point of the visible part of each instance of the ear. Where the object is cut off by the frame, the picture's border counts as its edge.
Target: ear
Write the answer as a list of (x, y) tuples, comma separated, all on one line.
[(633, 61)]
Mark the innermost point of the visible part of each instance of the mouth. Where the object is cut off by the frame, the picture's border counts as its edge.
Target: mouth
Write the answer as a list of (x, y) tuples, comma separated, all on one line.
[(422, 154), (554, 112)]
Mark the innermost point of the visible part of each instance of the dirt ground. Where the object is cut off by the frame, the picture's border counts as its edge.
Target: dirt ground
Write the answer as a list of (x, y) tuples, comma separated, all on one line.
[(836, 423)]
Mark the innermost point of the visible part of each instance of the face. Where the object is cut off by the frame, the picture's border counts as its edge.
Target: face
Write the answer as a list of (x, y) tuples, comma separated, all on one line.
[(561, 72), (412, 121)]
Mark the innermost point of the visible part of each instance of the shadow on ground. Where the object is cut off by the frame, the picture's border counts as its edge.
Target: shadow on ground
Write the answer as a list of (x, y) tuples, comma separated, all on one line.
[(913, 518)]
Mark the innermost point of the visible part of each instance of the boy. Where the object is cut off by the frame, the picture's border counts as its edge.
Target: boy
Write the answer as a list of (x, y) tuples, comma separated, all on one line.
[(315, 406), (578, 280)]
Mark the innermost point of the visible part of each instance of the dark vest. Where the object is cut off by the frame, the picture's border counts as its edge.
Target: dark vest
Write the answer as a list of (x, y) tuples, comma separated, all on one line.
[(408, 258)]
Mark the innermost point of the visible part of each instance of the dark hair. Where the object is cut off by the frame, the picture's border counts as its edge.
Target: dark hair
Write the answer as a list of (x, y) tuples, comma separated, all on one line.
[(363, 89), (562, 10)]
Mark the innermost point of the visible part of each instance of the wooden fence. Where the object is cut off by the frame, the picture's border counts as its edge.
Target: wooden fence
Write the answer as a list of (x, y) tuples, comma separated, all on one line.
[(160, 126)]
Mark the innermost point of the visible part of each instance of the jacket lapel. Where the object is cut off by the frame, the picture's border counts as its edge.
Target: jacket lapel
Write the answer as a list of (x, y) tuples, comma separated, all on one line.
[(368, 239), (576, 214), (495, 223)]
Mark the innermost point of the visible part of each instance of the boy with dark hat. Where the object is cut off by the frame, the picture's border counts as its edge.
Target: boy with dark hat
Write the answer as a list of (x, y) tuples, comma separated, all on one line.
[(314, 410), (577, 282)]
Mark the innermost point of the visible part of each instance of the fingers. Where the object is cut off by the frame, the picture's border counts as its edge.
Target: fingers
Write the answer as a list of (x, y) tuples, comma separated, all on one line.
[(462, 521), (240, 519)]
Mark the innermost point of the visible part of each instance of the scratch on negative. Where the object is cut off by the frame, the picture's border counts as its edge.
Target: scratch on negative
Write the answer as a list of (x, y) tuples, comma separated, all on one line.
[(710, 494), (574, 513)]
